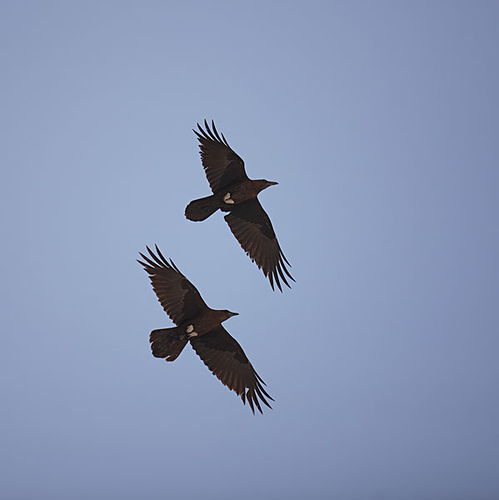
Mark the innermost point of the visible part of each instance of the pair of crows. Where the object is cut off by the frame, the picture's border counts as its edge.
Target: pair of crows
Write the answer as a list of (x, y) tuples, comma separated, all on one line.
[(235, 193)]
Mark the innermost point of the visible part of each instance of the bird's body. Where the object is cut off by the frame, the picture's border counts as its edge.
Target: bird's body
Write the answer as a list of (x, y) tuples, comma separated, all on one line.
[(201, 326), (225, 199), (243, 191), (203, 323), (235, 193)]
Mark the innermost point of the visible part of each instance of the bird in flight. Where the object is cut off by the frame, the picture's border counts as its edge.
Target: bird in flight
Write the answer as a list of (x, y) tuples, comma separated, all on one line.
[(235, 193), (202, 327)]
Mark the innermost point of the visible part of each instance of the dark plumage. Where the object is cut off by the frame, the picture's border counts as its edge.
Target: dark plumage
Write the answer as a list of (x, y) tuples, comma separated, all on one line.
[(202, 327), (235, 193)]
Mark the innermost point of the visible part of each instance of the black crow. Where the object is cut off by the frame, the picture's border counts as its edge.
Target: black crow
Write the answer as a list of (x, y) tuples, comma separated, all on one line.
[(235, 193), (202, 327)]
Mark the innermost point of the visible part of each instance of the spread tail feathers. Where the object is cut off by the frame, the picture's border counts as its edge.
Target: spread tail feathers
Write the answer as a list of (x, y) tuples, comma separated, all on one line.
[(165, 343), (201, 209)]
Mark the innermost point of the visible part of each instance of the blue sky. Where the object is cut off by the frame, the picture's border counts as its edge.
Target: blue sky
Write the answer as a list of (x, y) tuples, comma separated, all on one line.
[(379, 120)]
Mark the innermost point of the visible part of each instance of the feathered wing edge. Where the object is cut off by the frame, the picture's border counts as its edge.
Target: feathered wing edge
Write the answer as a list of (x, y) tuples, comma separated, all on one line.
[(256, 392), (211, 134), (160, 261), (277, 271)]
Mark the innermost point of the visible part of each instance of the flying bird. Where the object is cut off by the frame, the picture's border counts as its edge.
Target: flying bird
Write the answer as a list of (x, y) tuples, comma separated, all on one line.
[(235, 193), (202, 327)]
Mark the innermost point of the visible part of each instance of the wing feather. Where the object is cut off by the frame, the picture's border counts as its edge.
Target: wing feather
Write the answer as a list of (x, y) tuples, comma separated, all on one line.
[(252, 228), (221, 164), (225, 358), (178, 296)]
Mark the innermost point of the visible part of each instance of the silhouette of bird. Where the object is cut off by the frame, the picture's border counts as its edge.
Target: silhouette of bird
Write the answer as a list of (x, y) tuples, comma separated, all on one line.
[(202, 327), (235, 193)]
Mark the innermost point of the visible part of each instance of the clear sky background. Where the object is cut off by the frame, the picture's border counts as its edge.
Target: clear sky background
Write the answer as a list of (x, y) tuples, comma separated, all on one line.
[(380, 122)]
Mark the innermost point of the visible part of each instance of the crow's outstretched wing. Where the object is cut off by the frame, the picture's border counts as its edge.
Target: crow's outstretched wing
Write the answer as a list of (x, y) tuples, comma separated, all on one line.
[(251, 226), (221, 164), (178, 296), (225, 358)]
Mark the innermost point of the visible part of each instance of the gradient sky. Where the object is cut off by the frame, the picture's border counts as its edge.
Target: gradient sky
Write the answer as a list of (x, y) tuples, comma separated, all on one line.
[(380, 122)]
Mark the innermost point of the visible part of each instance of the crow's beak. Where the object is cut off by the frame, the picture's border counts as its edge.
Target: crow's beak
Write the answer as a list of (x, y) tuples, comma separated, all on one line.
[(272, 183), (233, 314)]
